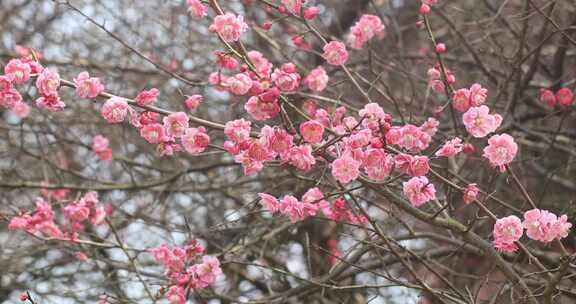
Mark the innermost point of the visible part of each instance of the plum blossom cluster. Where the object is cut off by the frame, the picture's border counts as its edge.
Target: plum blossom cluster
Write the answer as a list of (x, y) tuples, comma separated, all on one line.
[(174, 134), (273, 143), (563, 97), (361, 144), (18, 71), (465, 98), (368, 27), (263, 84), (540, 225), (435, 79), (312, 201), (21, 70), (294, 7), (479, 123), (182, 271), (77, 214)]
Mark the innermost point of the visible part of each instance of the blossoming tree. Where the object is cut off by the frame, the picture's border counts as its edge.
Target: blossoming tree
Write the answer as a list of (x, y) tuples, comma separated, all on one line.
[(288, 151)]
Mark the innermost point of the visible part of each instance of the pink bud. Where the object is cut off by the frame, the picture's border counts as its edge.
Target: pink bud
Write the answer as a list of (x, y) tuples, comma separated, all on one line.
[(548, 97), (425, 9), (468, 149), (440, 48), (267, 25), (311, 13), (564, 97)]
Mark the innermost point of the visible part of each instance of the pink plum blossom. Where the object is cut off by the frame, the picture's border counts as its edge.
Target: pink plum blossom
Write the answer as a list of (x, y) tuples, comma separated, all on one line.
[(507, 230), (249, 164), (168, 148), (430, 126), (263, 66), (192, 102), (312, 131), (154, 133), (470, 193), (226, 61), (377, 164), (296, 209), (412, 165), (176, 124), (88, 87), (115, 109), (147, 97), (195, 140), (205, 273), (81, 256), (335, 53), (345, 169), (461, 100), (419, 191), (314, 196), (197, 8), (277, 140), (365, 29), (478, 95), (18, 71), (238, 130), (260, 110), (52, 103), (269, 202), (501, 150), (286, 78), (148, 117), (238, 84), (10, 98), (176, 295), (229, 27), (440, 48), (450, 148), (317, 79), (301, 157), (339, 211), (48, 82), (479, 122), (373, 115), (5, 83), (412, 138)]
